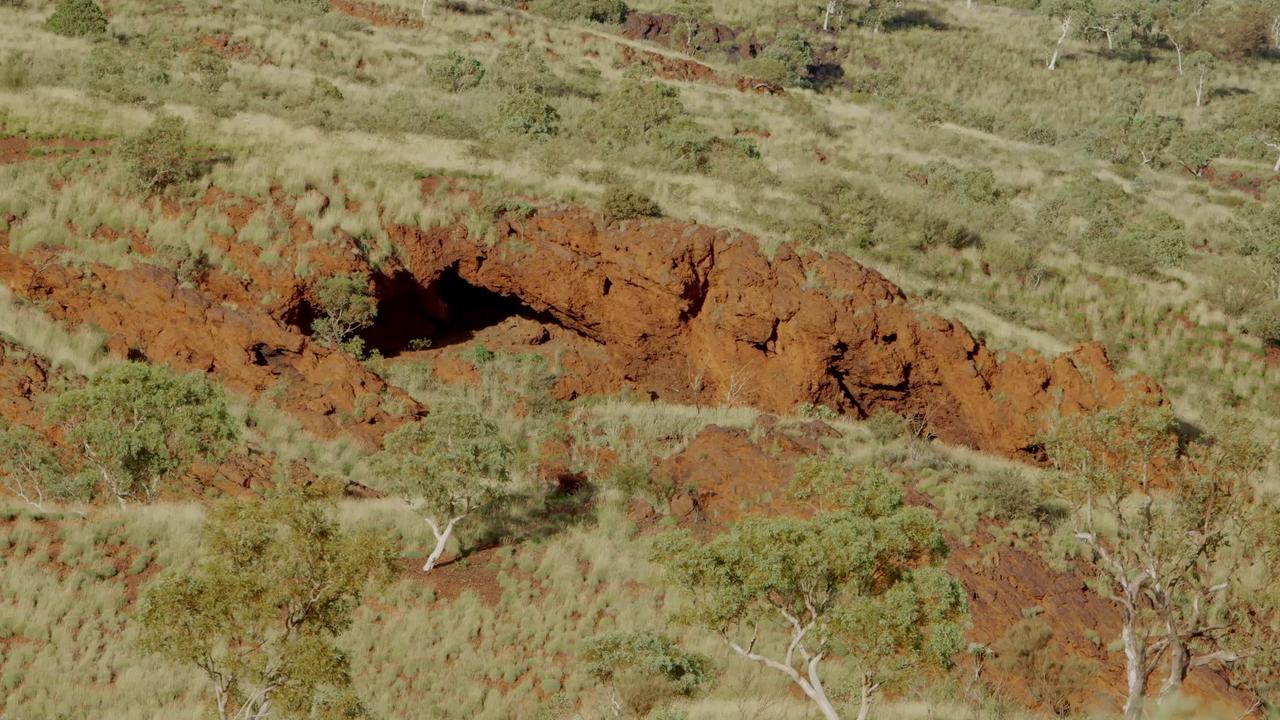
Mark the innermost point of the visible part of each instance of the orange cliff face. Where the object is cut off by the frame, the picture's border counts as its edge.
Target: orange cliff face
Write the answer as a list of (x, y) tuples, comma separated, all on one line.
[(695, 315), (681, 312)]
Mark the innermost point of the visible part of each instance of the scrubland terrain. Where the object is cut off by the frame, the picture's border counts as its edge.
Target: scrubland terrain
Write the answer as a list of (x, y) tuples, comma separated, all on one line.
[(682, 359)]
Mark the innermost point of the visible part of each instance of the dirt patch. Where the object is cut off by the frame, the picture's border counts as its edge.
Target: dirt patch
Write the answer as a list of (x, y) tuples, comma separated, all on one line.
[(375, 14), (477, 572), (232, 49), (20, 149), (666, 67)]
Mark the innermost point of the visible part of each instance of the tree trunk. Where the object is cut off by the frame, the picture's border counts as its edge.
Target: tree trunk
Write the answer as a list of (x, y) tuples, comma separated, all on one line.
[(817, 693), (1066, 28), (831, 10), (869, 687), (1200, 90), (1179, 666), (442, 539), (1178, 49), (426, 8), (1135, 656)]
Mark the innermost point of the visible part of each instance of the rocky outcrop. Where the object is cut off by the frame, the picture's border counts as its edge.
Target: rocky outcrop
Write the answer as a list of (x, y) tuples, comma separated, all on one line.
[(695, 315), (673, 31), (147, 314)]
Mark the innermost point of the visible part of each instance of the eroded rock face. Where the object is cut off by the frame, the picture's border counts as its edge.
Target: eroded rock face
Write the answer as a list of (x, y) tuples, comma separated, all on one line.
[(147, 314), (694, 315)]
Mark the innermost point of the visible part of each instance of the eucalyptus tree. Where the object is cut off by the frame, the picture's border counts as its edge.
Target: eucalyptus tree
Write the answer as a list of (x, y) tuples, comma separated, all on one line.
[(1163, 531), (644, 670), (139, 427), (449, 464), (261, 612), (1202, 64), (1066, 14), (861, 580)]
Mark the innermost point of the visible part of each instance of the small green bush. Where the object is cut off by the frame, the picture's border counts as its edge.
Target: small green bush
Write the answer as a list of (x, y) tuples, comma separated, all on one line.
[(602, 11), (347, 306), (785, 61), (1009, 495), (160, 156), (1264, 323), (622, 203), (15, 72), (454, 72), (648, 117), (210, 70), (528, 113), (77, 18)]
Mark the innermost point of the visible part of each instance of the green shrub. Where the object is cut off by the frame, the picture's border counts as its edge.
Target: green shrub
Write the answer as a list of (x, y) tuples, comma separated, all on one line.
[(943, 231), (1264, 323), (886, 426), (316, 6), (1009, 495), (454, 72), (15, 71), (160, 156), (347, 306), (522, 69), (1153, 242), (622, 203), (528, 113), (210, 69), (1234, 285), (649, 117), (602, 11), (785, 61), (77, 18), (1052, 677)]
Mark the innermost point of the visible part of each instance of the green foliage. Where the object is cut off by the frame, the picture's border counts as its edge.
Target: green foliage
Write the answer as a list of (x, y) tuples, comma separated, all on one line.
[(785, 60), (1164, 550), (648, 118), (656, 486), (1054, 678), (528, 113), (210, 69), (1196, 150), (77, 18), (347, 306), (261, 612), (454, 72), (1154, 241), (860, 578), (450, 464), (141, 426), (624, 203), (311, 6), (645, 670), (31, 469), (15, 70), (602, 11), (977, 185), (1264, 323), (160, 156)]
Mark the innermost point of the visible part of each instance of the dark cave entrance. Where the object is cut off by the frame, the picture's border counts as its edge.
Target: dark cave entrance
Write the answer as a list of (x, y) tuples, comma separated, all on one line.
[(448, 311)]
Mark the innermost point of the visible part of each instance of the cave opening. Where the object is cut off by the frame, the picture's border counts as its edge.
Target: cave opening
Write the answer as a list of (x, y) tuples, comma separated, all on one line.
[(447, 311)]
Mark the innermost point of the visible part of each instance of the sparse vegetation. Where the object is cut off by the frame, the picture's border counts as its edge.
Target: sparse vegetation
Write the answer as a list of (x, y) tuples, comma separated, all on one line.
[(206, 195)]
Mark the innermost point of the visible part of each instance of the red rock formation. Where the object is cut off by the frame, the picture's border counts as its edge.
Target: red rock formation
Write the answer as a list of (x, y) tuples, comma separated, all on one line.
[(147, 314), (696, 315)]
